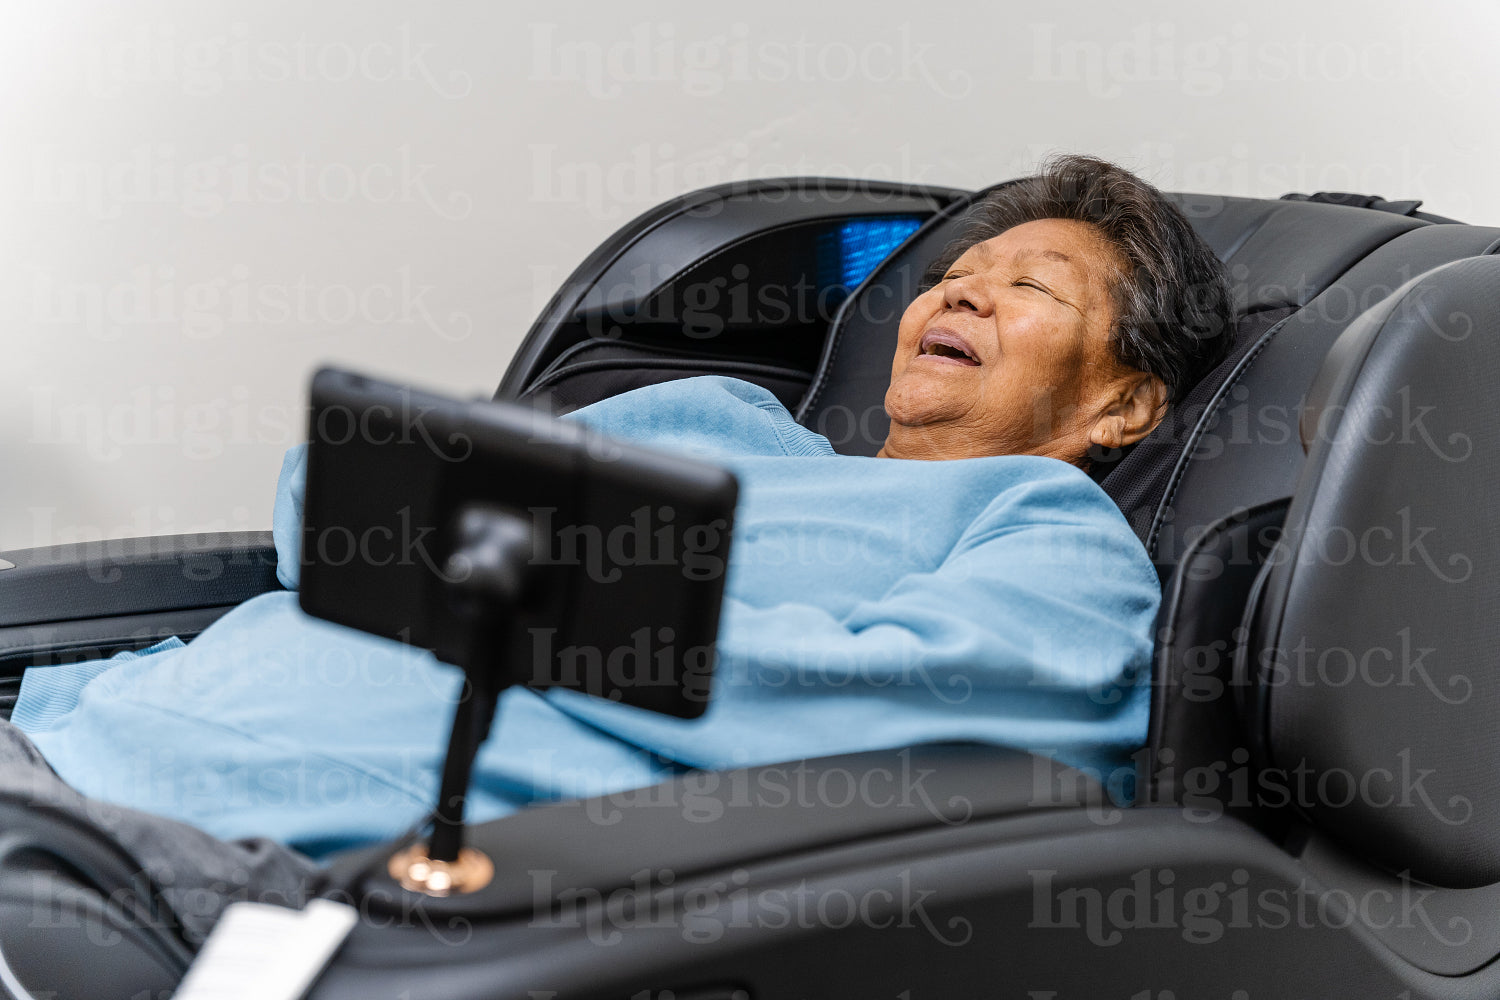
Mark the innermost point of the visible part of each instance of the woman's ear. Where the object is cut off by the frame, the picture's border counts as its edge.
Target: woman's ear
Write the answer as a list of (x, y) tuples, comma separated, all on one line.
[(1139, 403)]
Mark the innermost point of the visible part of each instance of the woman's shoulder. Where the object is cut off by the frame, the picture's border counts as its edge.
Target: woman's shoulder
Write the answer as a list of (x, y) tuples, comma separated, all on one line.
[(1031, 489)]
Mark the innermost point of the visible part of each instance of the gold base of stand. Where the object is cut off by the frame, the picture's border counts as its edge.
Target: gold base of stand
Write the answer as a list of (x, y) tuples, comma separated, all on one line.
[(415, 871)]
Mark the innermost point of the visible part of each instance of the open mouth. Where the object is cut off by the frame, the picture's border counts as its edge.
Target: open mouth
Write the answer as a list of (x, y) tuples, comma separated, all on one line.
[(946, 346)]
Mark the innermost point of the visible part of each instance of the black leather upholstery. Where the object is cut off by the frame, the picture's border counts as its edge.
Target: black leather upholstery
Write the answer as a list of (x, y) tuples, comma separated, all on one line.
[(1145, 481), (1196, 754), (739, 279), (1246, 450), (135, 575), (626, 893), (1056, 903), (1374, 647), (769, 811)]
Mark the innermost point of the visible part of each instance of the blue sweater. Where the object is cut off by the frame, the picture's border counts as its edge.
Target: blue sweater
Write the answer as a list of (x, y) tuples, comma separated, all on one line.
[(870, 603)]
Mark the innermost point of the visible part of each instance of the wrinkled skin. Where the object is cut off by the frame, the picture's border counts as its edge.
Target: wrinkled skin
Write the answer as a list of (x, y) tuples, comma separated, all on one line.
[(1009, 354)]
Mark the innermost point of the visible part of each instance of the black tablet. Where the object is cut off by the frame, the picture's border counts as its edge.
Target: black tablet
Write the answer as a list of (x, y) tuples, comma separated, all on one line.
[(628, 546)]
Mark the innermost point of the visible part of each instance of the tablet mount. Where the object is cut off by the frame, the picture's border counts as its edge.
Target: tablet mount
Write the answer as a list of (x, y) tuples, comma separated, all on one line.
[(486, 577), (538, 527)]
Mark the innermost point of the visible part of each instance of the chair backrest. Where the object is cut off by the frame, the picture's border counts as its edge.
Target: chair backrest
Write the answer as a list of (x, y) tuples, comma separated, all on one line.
[(1371, 669)]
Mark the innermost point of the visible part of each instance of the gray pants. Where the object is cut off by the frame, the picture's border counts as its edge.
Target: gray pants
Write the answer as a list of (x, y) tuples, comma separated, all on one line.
[(197, 875)]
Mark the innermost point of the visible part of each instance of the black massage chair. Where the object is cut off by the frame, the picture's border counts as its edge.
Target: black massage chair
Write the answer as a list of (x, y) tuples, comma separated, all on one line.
[(1316, 812)]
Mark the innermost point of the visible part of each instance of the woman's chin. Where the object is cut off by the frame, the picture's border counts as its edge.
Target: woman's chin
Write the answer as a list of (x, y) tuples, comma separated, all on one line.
[(915, 400)]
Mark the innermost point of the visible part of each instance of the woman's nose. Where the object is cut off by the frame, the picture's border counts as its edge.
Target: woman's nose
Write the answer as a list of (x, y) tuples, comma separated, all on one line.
[(966, 294)]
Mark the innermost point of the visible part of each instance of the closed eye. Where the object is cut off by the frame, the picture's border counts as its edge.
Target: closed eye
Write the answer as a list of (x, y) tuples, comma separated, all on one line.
[(1032, 283)]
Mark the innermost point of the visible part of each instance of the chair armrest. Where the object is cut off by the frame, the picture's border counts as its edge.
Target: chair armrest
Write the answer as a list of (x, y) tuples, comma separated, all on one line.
[(133, 576), (713, 821)]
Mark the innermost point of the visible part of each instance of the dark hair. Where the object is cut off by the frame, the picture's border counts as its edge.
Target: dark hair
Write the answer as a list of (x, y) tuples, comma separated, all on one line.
[(1174, 317)]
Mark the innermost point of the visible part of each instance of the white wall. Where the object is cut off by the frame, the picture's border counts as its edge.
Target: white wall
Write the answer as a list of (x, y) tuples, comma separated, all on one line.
[(201, 203)]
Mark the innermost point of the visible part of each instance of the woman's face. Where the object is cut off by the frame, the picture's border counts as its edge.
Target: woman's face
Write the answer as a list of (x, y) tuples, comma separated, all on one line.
[(1010, 354)]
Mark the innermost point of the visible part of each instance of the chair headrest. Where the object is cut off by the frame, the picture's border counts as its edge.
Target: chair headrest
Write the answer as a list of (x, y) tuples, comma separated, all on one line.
[(1372, 657)]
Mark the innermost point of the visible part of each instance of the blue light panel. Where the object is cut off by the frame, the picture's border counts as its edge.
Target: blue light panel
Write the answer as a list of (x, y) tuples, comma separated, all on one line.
[(864, 243)]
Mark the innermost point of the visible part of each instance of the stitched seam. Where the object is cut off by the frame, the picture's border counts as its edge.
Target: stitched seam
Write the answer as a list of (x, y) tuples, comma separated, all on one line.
[(775, 429), (1234, 378), (773, 412), (1215, 404), (1156, 709), (1239, 244), (837, 334), (1201, 427)]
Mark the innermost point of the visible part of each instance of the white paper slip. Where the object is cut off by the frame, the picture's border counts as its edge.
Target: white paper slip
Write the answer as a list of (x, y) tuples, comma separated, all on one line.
[(262, 952)]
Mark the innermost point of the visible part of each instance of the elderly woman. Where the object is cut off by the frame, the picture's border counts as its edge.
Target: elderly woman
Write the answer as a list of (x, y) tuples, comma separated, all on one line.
[(1078, 305), (996, 595)]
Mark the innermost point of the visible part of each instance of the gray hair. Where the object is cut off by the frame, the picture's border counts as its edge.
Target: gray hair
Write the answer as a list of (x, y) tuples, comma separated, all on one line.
[(1174, 317)]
